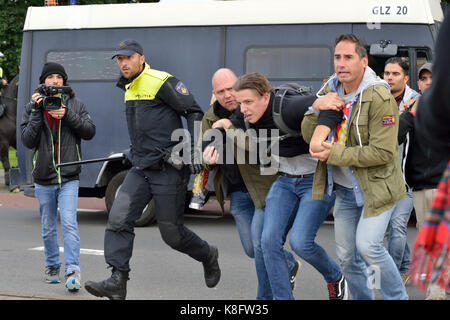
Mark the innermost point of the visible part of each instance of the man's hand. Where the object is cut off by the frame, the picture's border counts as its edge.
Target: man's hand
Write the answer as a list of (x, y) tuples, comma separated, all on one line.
[(415, 106), (222, 123), (211, 156), (330, 101), (323, 155), (4, 82), (58, 113), (407, 104), (36, 97), (196, 165)]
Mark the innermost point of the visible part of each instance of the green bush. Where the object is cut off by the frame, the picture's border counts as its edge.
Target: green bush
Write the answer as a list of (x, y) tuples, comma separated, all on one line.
[(12, 158)]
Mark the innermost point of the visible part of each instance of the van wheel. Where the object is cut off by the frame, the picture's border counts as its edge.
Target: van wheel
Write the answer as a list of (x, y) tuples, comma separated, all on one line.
[(148, 214)]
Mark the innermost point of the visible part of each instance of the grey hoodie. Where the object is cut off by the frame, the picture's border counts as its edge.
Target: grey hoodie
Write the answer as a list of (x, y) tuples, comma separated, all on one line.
[(342, 175)]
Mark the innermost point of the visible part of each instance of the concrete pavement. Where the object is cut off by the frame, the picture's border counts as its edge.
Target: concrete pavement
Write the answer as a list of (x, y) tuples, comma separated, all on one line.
[(10, 199), (13, 202)]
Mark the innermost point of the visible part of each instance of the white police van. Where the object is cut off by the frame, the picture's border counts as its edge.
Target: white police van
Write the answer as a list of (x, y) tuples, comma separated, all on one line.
[(287, 40)]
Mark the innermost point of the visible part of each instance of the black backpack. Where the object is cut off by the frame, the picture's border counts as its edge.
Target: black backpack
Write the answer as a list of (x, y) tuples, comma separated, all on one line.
[(280, 92)]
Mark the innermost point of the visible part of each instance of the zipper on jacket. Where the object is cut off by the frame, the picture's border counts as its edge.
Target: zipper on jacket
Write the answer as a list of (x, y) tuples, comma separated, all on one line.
[(78, 152), (59, 151), (35, 159)]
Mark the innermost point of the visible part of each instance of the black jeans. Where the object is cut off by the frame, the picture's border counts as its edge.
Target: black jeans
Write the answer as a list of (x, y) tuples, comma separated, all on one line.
[(168, 187)]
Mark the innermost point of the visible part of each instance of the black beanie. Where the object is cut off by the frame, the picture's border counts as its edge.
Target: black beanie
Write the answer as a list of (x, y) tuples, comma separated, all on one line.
[(51, 68)]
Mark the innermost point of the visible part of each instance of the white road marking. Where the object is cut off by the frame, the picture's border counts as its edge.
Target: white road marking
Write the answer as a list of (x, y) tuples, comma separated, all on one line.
[(82, 251), (90, 210)]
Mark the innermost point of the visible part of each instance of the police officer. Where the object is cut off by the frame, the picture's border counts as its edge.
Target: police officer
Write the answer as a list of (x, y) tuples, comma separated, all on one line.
[(154, 100)]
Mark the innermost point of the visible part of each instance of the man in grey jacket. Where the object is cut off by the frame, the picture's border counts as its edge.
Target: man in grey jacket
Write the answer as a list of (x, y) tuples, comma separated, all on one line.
[(396, 74)]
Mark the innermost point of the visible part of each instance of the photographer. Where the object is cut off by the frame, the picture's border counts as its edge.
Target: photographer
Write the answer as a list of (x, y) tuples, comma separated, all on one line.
[(53, 126)]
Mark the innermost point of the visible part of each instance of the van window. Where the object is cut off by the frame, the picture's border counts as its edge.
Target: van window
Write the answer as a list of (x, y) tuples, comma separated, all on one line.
[(377, 63), (422, 56), (86, 65), (286, 63), (415, 57)]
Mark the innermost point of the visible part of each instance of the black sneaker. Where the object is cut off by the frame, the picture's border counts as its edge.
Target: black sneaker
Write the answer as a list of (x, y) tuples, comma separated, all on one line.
[(293, 274), (211, 268), (52, 275), (338, 290), (115, 287)]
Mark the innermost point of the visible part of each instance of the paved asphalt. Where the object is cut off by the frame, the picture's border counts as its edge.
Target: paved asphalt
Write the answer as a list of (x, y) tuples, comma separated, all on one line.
[(158, 272)]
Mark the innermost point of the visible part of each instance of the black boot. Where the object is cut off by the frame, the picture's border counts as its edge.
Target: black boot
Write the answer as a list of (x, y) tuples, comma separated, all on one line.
[(115, 287), (211, 268)]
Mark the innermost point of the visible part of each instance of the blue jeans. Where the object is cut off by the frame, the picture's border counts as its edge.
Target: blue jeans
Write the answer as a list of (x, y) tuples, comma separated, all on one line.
[(359, 245), (289, 206), (249, 222), (398, 227), (66, 197)]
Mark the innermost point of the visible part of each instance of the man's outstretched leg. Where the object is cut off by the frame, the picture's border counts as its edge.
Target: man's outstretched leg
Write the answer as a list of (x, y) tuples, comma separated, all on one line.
[(169, 207), (132, 198)]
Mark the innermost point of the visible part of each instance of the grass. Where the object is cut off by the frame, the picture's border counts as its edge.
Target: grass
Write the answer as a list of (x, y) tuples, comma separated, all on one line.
[(12, 158)]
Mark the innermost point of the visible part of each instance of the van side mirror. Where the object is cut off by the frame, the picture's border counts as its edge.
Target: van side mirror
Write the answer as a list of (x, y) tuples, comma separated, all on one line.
[(383, 49)]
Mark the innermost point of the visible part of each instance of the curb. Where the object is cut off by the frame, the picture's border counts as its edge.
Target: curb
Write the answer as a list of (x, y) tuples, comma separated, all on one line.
[(11, 295)]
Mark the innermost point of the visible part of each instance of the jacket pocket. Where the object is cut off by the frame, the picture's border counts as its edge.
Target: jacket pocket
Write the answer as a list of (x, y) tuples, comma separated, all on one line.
[(381, 183), (70, 153)]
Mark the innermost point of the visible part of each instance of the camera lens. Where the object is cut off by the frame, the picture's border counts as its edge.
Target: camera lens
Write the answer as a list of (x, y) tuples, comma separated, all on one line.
[(52, 103)]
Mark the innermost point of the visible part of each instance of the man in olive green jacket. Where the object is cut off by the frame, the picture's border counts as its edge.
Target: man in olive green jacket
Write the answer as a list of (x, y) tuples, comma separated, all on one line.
[(242, 181), (360, 161)]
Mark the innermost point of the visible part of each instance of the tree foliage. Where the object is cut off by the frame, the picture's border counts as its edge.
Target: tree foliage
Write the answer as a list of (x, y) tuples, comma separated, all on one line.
[(12, 19)]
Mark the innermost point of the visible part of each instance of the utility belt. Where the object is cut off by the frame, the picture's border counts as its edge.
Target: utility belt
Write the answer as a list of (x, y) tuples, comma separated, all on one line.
[(166, 158)]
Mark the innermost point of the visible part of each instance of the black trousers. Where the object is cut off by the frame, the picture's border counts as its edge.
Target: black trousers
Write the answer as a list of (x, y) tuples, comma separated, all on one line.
[(168, 187)]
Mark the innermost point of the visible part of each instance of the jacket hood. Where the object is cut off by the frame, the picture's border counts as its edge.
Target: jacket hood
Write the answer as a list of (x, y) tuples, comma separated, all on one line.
[(370, 78)]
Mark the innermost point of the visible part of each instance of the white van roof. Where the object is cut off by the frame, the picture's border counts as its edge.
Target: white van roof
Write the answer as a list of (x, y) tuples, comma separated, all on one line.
[(235, 12)]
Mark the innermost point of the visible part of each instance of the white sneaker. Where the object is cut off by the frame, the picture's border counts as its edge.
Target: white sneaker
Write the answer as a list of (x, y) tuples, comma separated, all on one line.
[(73, 282)]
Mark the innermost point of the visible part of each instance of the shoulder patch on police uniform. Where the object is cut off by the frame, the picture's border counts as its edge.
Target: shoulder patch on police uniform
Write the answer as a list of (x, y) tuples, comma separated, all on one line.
[(181, 88), (388, 120)]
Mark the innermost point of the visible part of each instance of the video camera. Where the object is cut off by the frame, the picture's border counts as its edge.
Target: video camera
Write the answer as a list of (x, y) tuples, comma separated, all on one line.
[(49, 101)]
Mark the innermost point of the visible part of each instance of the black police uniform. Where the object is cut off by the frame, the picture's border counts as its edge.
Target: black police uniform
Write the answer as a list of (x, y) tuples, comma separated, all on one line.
[(155, 100)]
